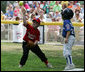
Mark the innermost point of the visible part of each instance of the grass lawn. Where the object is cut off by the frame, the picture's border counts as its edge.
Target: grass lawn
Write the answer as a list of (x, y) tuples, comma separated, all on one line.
[(12, 52)]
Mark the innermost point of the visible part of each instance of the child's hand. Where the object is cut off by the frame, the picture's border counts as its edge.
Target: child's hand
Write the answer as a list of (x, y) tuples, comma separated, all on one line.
[(66, 40), (36, 42)]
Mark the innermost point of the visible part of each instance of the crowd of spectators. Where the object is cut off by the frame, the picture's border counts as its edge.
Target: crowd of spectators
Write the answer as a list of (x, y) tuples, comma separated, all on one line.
[(47, 11)]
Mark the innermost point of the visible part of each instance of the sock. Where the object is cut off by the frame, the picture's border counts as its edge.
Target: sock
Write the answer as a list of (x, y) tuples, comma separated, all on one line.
[(46, 62), (66, 60), (69, 59)]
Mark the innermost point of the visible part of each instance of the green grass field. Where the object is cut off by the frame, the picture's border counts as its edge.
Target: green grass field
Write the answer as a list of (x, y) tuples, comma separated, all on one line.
[(12, 52)]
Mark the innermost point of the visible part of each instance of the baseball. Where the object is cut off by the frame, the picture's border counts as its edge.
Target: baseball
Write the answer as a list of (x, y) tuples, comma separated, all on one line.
[(21, 3)]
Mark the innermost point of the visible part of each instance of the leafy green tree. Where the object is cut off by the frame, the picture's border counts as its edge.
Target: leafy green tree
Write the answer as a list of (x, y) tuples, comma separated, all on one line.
[(4, 4)]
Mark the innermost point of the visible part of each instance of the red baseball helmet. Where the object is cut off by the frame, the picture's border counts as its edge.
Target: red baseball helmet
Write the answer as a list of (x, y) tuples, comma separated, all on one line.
[(36, 19)]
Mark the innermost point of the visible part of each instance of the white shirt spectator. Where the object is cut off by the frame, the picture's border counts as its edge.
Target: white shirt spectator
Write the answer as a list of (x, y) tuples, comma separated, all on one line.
[(41, 6), (30, 2), (16, 3), (81, 16)]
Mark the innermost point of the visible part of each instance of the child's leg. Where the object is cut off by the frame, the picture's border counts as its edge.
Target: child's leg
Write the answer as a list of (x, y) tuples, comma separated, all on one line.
[(25, 54), (39, 53), (67, 54), (68, 50)]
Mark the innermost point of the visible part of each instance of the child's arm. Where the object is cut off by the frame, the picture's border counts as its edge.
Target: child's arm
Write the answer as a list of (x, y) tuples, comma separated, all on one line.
[(24, 17), (66, 39)]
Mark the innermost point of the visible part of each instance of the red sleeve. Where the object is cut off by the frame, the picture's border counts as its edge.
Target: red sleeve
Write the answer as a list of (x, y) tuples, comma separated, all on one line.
[(27, 26)]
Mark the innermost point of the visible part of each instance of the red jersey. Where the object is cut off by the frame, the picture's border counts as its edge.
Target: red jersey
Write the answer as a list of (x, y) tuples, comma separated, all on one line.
[(31, 34)]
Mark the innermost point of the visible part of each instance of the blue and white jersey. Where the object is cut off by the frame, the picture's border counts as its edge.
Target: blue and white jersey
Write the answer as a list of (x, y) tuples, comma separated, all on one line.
[(67, 26)]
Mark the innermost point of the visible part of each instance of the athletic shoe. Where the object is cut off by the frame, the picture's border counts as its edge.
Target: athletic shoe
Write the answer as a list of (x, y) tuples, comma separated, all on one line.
[(71, 66), (20, 66), (49, 65)]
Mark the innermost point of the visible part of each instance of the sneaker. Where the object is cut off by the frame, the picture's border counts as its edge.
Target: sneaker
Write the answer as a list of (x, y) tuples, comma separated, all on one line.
[(71, 66), (49, 65), (20, 66)]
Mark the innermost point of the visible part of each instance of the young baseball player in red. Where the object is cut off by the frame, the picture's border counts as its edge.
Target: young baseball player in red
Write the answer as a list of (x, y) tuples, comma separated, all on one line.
[(30, 42)]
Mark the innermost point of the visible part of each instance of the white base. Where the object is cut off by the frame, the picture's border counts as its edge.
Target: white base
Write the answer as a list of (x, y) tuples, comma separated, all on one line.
[(75, 69)]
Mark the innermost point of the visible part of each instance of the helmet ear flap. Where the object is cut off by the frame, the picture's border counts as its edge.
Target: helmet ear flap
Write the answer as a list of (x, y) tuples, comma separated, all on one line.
[(61, 12)]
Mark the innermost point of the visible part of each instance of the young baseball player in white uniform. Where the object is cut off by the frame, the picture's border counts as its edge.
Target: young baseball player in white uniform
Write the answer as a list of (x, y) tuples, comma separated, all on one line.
[(69, 36)]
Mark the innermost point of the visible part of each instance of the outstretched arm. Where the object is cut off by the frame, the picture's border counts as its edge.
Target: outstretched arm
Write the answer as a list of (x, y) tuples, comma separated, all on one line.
[(24, 17)]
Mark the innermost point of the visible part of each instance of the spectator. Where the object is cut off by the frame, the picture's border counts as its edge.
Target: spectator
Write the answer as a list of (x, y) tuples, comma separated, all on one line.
[(51, 4), (53, 19), (82, 9), (9, 11), (57, 7), (78, 6), (77, 18), (75, 2), (30, 3), (26, 5), (46, 8), (57, 16), (16, 11), (15, 3), (70, 5), (41, 4), (34, 4), (32, 9), (64, 4), (48, 19)]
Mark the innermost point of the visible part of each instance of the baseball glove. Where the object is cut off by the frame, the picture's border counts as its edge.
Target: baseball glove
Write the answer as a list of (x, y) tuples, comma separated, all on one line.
[(30, 43)]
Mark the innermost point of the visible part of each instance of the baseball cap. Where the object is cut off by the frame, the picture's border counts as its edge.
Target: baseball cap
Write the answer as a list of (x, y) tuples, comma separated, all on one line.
[(36, 19)]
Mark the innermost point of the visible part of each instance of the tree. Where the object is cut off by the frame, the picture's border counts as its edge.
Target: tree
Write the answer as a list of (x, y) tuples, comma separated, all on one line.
[(4, 4)]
